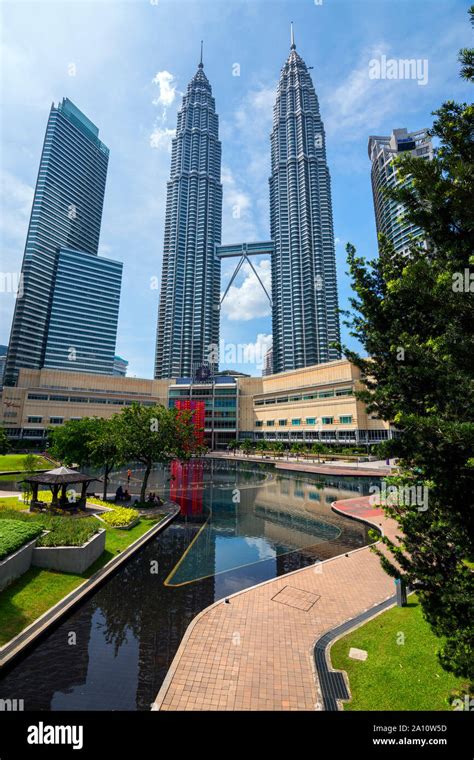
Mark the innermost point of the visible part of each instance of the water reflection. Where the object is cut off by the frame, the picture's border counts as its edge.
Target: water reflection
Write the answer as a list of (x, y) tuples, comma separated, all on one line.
[(114, 651)]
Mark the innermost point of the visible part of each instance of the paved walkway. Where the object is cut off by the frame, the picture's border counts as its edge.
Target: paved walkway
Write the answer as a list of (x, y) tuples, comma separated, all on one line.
[(255, 652), (357, 469)]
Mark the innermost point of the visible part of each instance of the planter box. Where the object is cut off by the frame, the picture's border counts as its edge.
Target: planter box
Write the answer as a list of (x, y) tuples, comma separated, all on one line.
[(70, 559), (16, 564)]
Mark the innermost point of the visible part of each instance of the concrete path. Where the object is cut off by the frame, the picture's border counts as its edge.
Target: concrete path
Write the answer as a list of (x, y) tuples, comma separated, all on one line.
[(355, 469), (255, 651)]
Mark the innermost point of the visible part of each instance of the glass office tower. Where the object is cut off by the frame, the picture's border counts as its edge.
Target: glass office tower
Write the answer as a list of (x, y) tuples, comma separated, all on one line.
[(304, 285), (82, 329), (188, 315), (389, 215), (67, 211)]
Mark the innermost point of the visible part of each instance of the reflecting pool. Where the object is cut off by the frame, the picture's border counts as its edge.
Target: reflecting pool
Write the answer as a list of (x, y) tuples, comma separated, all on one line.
[(240, 523)]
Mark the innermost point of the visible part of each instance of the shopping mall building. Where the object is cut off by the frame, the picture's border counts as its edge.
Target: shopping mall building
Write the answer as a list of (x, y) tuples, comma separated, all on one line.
[(309, 404)]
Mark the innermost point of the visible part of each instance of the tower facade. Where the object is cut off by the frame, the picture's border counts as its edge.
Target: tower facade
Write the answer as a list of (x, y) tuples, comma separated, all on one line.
[(67, 211), (388, 214), (304, 284), (82, 330), (188, 314)]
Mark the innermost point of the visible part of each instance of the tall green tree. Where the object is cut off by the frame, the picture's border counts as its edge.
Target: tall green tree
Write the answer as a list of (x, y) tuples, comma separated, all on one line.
[(155, 434), (105, 448), (70, 443), (5, 445), (413, 314)]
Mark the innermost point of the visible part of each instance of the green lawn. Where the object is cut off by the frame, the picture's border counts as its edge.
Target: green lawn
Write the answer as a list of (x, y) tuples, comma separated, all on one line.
[(37, 590), (14, 462), (12, 502), (395, 676)]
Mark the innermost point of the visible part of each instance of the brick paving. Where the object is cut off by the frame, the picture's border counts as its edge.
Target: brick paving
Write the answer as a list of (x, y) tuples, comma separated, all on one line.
[(255, 652)]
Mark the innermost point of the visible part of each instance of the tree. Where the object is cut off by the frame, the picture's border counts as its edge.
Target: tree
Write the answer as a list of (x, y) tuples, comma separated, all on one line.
[(70, 443), (151, 434), (5, 445), (318, 448), (413, 315), (105, 448), (247, 447), (232, 446)]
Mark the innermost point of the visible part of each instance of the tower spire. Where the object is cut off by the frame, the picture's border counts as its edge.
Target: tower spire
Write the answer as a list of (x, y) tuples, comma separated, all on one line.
[(292, 37), (201, 65)]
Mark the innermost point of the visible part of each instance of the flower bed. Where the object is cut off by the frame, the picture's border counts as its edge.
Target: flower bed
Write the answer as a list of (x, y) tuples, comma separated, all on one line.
[(72, 558), (62, 531), (120, 517)]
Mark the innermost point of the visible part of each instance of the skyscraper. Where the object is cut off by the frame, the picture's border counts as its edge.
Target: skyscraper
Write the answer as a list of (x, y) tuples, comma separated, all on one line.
[(67, 211), (82, 328), (304, 285), (382, 152), (188, 316)]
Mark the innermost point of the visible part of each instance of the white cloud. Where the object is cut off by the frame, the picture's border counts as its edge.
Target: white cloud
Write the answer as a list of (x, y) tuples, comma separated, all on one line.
[(248, 301), (359, 105), (161, 138), (237, 211), (167, 87), (255, 113)]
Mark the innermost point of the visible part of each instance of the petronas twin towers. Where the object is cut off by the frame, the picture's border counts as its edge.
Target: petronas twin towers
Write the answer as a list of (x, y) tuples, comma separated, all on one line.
[(304, 286)]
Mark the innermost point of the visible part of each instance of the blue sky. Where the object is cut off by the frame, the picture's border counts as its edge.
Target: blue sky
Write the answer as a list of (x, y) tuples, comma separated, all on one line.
[(125, 64)]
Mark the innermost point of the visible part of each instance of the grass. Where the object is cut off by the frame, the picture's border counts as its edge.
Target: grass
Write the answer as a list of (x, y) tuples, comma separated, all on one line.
[(396, 676), (63, 531), (12, 502), (14, 462), (14, 534), (37, 590)]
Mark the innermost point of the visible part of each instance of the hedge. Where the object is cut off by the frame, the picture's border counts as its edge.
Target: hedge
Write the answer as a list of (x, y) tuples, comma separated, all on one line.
[(14, 534)]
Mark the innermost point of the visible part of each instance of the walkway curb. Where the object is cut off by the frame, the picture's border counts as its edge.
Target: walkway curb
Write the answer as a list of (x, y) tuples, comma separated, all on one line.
[(334, 684)]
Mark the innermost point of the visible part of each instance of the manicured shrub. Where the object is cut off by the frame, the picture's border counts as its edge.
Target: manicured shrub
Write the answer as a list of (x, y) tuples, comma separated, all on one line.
[(14, 534), (120, 517)]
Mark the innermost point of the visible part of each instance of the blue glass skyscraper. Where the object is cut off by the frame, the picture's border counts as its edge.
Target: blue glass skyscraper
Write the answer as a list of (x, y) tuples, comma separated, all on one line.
[(188, 316), (82, 327), (66, 212)]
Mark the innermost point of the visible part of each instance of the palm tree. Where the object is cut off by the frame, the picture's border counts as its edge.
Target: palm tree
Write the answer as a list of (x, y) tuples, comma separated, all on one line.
[(232, 446), (246, 447)]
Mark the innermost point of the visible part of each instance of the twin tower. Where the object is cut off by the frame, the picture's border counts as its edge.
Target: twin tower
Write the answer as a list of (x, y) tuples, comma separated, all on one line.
[(304, 284)]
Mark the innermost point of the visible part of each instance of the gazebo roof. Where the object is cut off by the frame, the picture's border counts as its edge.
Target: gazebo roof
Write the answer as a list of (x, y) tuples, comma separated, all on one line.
[(61, 476)]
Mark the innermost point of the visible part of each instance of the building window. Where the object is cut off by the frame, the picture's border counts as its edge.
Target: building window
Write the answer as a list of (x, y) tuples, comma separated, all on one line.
[(344, 392), (56, 420), (346, 419), (259, 423), (311, 420), (296, 422), (270, 423), (327, 420), (37, 397), (282, 423), (35, 419)]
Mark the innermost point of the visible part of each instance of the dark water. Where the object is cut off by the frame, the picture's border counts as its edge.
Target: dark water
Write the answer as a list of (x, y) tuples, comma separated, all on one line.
[(240, 524)]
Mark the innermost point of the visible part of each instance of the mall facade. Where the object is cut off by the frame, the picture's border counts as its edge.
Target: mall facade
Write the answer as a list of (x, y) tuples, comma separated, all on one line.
[(310, 404)]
